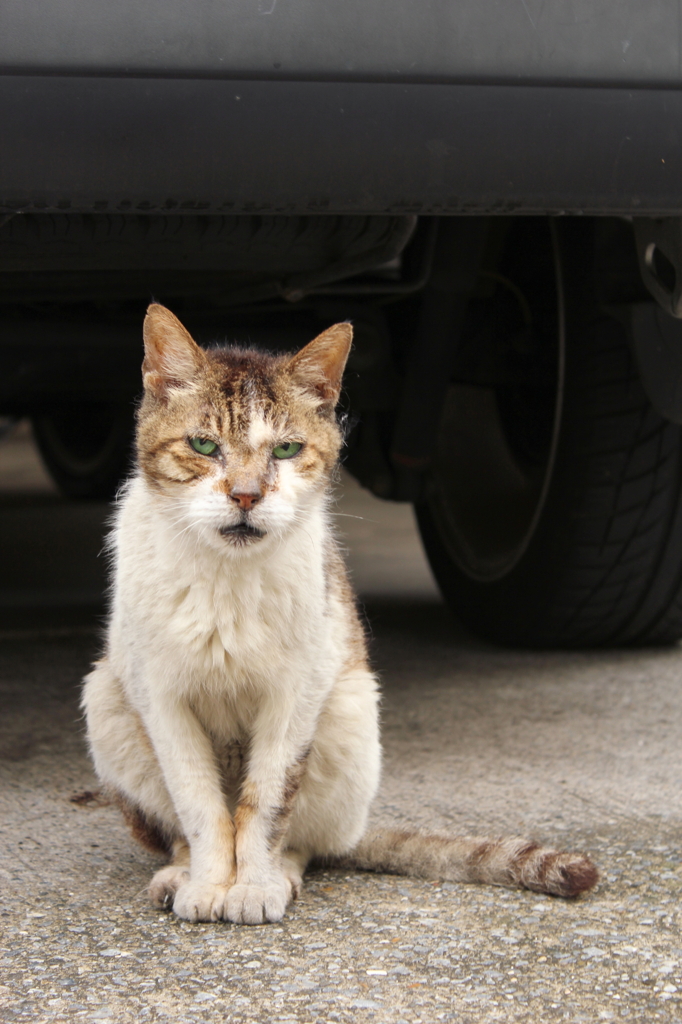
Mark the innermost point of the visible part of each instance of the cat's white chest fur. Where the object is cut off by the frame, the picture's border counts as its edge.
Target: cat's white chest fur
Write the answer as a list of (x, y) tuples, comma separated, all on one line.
[(218, 622)]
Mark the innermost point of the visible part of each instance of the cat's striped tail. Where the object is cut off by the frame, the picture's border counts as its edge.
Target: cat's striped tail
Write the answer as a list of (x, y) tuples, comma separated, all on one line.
[(510, 861)]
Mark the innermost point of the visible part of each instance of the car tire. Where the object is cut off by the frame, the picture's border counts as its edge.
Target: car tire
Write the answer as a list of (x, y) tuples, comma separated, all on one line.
[(594, 556), (86, 447)]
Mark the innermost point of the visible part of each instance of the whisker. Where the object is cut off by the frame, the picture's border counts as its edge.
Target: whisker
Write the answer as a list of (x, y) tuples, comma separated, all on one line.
[(347, 515)]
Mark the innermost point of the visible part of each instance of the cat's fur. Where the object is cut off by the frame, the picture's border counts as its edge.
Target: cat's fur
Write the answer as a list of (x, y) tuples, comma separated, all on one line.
[(234, 715)]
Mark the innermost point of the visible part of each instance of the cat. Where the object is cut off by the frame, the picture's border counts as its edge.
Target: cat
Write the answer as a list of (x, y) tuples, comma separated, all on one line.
[(234, 716)]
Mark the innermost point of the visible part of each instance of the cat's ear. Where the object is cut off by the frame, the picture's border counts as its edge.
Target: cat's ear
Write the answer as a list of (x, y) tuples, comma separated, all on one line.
[(172, 359), (319, 366)]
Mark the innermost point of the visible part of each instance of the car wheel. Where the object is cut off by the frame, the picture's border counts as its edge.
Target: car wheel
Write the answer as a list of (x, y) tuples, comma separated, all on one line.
[(553, 512), (86, 447)]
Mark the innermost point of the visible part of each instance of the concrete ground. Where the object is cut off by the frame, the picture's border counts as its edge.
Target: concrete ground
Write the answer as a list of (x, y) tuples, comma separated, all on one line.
[(579, 750)]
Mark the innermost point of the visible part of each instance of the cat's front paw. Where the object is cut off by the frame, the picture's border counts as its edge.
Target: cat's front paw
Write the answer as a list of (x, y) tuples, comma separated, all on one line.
[(257, 904), (200, 901), (165, 884)]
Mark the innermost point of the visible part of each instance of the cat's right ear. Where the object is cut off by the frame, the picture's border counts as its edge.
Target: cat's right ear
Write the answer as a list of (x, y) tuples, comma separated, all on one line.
[(172, 359), (319, 366)]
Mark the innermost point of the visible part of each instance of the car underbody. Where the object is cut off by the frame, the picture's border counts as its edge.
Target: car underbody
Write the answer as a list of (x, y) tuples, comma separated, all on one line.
[(501, 222)]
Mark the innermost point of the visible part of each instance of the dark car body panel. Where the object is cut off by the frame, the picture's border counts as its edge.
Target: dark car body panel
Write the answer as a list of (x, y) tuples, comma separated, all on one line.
[(605, 41), (367, 106), (135, 144)]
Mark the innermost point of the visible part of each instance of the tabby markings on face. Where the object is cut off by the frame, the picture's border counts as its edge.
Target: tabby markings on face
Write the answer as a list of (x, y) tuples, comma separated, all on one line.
[(241, 448)]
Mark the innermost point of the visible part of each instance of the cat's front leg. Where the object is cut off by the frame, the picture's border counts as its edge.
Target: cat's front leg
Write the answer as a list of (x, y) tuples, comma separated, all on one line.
[(187, 761), (263, 888)]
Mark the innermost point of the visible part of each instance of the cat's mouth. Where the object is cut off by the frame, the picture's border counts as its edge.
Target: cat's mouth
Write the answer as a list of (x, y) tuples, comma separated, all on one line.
[(241, 532)]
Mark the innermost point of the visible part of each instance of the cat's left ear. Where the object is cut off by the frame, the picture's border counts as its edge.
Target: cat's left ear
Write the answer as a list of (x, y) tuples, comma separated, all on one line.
[(319, 366), (172, 359)]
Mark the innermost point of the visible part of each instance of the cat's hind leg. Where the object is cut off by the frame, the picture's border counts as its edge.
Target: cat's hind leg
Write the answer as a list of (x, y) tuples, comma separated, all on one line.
[(342, 772), (167, 881), (294, 864), (127, 766)]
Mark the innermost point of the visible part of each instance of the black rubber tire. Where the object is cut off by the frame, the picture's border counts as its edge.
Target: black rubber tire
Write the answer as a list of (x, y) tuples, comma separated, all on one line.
[(604, 564), (86, 447)]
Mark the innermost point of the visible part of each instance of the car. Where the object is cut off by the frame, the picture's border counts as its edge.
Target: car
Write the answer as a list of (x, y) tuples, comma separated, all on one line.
[(491, 193)]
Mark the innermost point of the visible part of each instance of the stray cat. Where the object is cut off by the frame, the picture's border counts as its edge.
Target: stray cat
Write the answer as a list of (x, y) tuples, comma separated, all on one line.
[(233, 715)]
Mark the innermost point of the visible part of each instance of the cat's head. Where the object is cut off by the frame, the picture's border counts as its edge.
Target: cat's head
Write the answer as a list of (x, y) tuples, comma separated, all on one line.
[(237, 444)]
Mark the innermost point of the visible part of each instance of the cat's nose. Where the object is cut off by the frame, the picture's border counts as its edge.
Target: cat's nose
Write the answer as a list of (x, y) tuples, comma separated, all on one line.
[(246, 499)]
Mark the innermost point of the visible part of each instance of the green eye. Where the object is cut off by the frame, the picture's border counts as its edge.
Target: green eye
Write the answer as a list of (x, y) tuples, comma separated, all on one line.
[(287, 450), (203, 445)]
